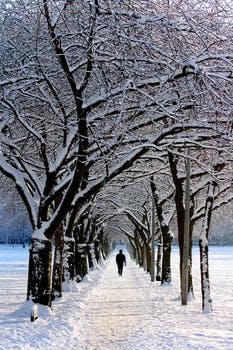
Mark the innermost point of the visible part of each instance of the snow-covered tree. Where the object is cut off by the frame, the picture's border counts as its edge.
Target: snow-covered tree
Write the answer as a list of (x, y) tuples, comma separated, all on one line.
[(87, 88)]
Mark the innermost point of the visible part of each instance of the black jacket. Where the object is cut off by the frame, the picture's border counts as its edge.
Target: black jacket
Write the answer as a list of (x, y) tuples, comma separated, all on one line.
[(120, 259)]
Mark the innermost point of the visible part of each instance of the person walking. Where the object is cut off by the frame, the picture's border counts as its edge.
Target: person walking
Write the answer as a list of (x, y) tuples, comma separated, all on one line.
[(120, 260)]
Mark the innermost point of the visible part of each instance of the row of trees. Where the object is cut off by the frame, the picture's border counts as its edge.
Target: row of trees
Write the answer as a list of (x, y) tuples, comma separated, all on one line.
[(94, 93), (166, 188)]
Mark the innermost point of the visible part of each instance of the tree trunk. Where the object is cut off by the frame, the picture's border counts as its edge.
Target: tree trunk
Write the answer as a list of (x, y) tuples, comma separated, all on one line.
[(134, 254), (159, 258), (148, 257), (166, 265), (186, 251), (92, 254), (138, 251), (144, 257), (204, 250), (141, 259), (205, 282), (137, 256), (167, 236), (40, 272), (58, 264), (190, 276), (173, 160), (81, 261), (57, 271), (68, 259), (152, 269), (102, 250), (107, 247), (191, 226)]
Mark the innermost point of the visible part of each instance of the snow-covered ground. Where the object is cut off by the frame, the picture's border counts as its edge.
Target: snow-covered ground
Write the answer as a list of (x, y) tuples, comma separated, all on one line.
[(108, 312)]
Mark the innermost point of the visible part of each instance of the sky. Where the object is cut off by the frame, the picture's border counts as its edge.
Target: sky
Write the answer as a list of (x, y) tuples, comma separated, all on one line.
[(108, 312)]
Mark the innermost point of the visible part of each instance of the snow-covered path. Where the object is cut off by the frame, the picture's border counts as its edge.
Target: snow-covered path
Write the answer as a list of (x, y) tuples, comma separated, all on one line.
[(130, 312), (119, 311), (108, 312)]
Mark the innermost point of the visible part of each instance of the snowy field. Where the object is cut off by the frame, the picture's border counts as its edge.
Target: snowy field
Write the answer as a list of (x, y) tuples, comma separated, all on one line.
[(107, 312)]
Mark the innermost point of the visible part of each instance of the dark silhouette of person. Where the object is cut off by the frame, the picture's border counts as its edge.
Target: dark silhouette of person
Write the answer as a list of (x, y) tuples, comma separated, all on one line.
[(120, 260)]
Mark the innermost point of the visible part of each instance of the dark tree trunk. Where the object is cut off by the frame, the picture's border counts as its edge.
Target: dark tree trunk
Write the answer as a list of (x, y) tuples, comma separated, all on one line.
[(166, 270), (144, 257), (167, 237), (139, 250), (57, 272), (191, 226), (148, 257), (205, 282), (204, 250), (133, 252), (141, 262), (81, 261), (40, 272), (180, 212), (58, 265), (92, 255), (190, 276), (100, 250), (68, 259), (159, 259), (106, 248)]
